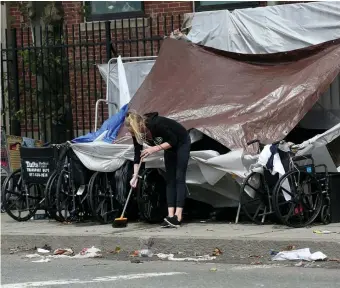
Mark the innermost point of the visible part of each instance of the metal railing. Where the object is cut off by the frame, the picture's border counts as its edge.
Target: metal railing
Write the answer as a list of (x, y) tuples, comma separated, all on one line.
[(51, 82)]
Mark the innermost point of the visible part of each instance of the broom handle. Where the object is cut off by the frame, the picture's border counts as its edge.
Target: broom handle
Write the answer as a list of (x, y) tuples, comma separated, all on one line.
[(130, 192)]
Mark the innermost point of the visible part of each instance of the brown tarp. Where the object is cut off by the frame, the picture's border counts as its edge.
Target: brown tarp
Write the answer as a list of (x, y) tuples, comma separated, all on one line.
[(235, 98)]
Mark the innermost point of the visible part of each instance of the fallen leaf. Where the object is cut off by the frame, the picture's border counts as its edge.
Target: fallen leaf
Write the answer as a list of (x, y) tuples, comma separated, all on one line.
[(213, 269), (290, 247), (217, 252), (255, 256), (116, 251)]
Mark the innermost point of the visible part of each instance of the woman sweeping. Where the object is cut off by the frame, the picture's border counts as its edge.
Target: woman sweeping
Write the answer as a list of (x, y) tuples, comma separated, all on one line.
[(162, 133)]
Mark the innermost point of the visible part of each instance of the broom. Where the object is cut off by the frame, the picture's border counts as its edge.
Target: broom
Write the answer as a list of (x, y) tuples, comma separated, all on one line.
[(121, 221)]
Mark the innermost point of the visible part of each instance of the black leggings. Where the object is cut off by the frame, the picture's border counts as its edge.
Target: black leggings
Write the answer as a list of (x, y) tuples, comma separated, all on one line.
[(176, 163)]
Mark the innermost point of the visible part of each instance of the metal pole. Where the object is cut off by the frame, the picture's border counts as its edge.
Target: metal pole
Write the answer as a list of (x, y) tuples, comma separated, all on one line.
[(16, 93)]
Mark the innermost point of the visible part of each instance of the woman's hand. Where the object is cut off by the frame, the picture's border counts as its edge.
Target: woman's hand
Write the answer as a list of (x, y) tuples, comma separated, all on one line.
[(134, 181), (149, 151)]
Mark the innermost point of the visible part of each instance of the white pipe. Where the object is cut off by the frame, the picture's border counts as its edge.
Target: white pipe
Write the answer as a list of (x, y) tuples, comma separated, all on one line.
[(96, 112)]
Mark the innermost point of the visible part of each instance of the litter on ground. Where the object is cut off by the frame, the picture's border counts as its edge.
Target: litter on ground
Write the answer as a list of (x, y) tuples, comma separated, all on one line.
[(171, 257), (30, 256), (42, 260), (92, 252), (322, 232), (43, 251), (66, 251), (300, 254)]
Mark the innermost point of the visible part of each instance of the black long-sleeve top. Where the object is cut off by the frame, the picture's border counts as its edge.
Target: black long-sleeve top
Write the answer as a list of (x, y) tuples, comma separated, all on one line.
[(162, 130)]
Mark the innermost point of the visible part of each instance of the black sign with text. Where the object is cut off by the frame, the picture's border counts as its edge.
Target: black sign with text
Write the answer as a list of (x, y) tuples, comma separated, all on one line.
[(37, 164)]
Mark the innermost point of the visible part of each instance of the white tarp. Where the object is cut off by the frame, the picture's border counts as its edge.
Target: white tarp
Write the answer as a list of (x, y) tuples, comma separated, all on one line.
[(274, 29), (124, 93), (268, 29), (207, 170), (135, 74)]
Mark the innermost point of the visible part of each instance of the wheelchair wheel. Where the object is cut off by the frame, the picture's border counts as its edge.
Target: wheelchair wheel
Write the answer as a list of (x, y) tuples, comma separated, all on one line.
[(102, 196), (151, 196), (20, 200), (71, 201), (50, 195), (254, 198), (325, 214), (4, 174), (297, 198)]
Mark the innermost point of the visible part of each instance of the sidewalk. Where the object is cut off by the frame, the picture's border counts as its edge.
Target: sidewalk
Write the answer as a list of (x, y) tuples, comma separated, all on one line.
[(201, 238)]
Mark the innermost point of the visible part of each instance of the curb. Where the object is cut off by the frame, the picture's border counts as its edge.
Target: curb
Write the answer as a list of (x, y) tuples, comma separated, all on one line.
[(232, 248)]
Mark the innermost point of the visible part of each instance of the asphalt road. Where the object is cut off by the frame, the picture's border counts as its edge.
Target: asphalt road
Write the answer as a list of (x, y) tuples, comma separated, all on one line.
[(18, 272)]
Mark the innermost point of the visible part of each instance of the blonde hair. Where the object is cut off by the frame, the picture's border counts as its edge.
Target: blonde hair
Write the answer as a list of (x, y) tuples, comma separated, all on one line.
[(136, 125)]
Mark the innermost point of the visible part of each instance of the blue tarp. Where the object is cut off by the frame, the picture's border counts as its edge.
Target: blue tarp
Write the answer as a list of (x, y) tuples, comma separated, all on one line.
[(111, 125)]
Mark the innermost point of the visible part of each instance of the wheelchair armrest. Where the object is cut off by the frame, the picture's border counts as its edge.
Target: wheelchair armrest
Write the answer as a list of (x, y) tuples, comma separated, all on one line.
[(302, 157)]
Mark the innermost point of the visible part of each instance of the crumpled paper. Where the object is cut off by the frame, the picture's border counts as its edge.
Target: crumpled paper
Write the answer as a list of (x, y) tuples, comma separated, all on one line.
[(63, 252), (92, 252), (299, 254)]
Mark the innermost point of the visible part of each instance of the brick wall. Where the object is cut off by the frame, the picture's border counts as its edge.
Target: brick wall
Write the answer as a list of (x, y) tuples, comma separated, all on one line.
[(86, 84)]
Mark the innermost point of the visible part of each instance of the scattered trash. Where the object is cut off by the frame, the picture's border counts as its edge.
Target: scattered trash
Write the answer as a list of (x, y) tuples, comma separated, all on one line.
[(255, 256), (180, 253), (136, 261), (145, 253), (134, 253), (47, 247), (323, 232), (66, 251), (146, 242), (334, 260), (92, 252), (217, 252), (256, 263), (210, 230), (171, 257), (116, 251), (43, 251), (203, 221), (30, 256), (299, 264), (43, 260), (273, 252), (300, 254), (20, 249), (213, 269)]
